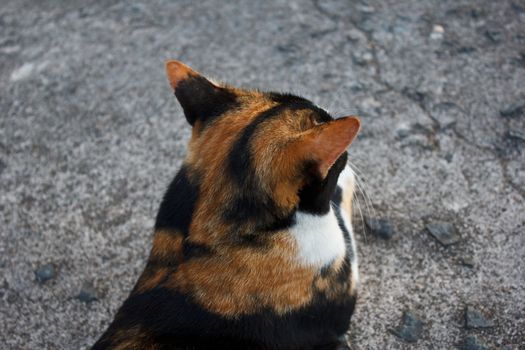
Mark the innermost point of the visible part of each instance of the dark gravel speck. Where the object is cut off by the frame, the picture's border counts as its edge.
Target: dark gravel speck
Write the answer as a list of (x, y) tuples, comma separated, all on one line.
[(444, 232), (414, 95), (44, 273), (402, 132), (513, 111), (88, 293), (467, 261), (472, 343), (379, 227), (446, 114), (475, 319), (516, 135), (410, 328)]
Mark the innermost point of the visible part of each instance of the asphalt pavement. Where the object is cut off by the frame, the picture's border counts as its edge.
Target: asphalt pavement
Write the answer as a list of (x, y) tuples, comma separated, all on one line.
[(91, 135)]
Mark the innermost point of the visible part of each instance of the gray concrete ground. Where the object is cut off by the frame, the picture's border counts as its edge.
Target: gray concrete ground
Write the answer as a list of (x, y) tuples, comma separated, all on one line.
[(90, 136)]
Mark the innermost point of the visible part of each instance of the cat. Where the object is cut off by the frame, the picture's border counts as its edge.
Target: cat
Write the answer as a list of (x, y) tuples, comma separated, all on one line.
[(253, 245)]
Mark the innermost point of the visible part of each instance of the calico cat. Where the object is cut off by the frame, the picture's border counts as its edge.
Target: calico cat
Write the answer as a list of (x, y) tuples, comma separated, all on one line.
[(253, 245)]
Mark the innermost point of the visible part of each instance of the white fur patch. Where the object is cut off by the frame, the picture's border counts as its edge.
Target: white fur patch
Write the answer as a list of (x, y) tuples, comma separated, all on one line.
[(319, 238), (353, 249), (346, 179), (347, 183)]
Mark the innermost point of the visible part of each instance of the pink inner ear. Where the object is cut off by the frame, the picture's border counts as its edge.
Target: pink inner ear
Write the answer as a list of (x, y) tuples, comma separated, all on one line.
[(332, 140), (177, 72)]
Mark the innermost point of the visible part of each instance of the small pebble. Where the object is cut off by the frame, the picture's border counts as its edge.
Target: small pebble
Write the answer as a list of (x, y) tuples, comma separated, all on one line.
[(137, 8), (403, 131), (437, 32), (516, 135), (444, 232), (472, 343), (10, 49), (513, 111), (438, 29), (414, 94), (475, 319), (44, 273), (410, 328), (467, 261), (494, 36), (370, 103), (88, 293), (23, 72), (446, 114), (362, 58), (365, 9), (379, 227)]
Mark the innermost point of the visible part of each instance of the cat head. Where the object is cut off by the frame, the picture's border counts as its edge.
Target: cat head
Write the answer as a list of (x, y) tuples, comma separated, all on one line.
[(258, 157)]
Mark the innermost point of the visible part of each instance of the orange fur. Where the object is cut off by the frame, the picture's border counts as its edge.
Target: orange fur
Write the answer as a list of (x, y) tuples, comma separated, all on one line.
[(166, 244), (178, 71), (242, 280), (151, 279)]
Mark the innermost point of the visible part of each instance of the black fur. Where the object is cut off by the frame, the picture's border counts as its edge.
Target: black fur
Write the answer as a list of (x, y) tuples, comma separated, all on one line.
[(345, 271), (240, 157), (172, 318), (252, 204), (190, 250), (287, 98), (337, 196), (200, 99), (296, 101), (193, 250), (315, 196), (176, 209)]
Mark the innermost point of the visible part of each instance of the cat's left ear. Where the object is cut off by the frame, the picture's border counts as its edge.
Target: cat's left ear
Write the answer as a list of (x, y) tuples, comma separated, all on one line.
[(325, 143), (200, 98)]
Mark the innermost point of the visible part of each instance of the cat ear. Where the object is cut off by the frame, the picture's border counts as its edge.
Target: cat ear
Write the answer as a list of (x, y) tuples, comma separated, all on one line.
[(324, 144), (200, 98)]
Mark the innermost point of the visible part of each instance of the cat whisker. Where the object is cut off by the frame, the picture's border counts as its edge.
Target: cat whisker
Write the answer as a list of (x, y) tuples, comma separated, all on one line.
[(356, 201), (364, 192), (368, 202)]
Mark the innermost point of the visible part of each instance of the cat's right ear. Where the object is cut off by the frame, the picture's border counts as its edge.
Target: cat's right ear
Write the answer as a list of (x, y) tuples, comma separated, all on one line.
[(325, 143), (200, 99)]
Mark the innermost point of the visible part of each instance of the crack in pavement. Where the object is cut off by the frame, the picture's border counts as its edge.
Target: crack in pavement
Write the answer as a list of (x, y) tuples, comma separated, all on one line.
[(403, 93)]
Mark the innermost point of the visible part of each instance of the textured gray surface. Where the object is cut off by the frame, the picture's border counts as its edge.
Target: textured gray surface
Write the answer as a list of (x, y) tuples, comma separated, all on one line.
[(90, 136)]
